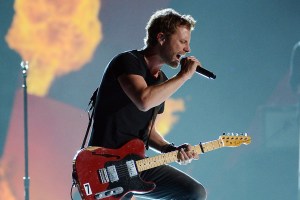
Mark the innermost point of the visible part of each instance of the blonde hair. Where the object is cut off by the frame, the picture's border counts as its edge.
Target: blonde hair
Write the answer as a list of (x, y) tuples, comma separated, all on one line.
[(166, 21)]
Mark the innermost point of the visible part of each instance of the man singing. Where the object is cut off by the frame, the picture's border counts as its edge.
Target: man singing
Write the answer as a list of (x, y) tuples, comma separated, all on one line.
[(134, 88)]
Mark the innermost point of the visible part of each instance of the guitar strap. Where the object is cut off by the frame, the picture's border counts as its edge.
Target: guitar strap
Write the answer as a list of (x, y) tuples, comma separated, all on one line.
[(91, 109)]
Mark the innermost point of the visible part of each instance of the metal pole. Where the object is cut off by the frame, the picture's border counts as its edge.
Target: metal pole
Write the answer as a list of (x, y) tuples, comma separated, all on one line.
[(298, 124), (26, 178)]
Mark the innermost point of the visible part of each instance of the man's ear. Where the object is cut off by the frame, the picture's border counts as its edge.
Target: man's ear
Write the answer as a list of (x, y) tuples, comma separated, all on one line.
[(161, 38)]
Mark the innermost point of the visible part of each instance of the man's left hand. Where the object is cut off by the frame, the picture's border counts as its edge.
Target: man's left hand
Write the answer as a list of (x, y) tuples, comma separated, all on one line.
[(186, 154)]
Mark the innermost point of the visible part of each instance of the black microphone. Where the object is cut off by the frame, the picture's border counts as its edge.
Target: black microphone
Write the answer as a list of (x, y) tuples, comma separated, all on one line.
[(201, 70), (205, 73)]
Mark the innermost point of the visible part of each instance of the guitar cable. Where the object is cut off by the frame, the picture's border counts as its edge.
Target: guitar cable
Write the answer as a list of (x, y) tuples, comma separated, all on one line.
[(74, 178), (72, 186)]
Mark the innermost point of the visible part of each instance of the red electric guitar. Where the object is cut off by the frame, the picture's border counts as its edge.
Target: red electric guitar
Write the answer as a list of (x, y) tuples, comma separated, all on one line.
[(109, 174)]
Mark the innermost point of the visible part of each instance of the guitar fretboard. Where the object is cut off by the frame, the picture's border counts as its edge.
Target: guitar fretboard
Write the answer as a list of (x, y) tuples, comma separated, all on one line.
[(210, 146), (162, 159)]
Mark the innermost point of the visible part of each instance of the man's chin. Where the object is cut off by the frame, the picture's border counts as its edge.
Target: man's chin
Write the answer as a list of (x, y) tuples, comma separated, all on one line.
[(174, 64)]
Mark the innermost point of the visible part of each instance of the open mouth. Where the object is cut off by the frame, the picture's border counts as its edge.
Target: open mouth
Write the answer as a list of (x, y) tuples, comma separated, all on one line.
[(179, 56)]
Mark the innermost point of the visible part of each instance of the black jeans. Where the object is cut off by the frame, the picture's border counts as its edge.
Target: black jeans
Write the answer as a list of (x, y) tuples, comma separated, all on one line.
[(171, 184)]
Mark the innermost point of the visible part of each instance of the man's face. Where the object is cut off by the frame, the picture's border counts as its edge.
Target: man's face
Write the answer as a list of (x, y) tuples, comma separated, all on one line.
[(175, 46)]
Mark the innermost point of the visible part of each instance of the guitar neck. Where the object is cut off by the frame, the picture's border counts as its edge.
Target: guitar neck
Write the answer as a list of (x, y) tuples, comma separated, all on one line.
[(166, 158)]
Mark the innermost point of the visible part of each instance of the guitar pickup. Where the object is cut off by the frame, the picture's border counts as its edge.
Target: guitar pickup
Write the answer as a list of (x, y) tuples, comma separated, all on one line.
[(131, 168)]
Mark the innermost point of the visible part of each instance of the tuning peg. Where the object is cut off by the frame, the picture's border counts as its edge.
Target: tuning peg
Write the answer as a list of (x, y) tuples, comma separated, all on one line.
[(246, 134)]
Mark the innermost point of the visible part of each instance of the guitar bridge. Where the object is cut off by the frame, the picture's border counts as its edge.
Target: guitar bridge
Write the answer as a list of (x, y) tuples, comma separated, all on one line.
[(108, 193)]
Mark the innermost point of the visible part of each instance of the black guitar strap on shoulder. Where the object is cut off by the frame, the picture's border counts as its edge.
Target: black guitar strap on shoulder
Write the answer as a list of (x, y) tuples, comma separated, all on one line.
[(91, 109)]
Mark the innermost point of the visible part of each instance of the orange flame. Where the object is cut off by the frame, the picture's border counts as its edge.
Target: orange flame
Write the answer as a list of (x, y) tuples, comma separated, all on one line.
[(169, 117), (55, 36), (5, 189)]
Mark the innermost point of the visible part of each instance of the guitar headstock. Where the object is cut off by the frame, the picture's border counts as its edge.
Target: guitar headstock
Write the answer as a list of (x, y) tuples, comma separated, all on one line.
[(234, 140)]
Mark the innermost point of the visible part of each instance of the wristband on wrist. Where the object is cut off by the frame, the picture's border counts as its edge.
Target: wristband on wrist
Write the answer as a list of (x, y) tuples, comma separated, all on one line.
[(168, 148)]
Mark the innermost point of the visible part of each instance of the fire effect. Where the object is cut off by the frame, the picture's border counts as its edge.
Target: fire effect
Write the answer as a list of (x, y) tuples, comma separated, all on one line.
[(55, 36), (5, 189), (169, 117)]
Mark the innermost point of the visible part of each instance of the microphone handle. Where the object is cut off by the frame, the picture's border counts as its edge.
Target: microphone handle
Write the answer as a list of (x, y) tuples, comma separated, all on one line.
[(205, 73)]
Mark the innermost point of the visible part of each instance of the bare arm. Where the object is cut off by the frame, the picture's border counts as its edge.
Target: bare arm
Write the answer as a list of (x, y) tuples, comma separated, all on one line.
[(146, 97)]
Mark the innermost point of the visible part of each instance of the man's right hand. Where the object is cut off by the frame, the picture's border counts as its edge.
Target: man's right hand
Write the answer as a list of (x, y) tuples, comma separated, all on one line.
[(188, 66)]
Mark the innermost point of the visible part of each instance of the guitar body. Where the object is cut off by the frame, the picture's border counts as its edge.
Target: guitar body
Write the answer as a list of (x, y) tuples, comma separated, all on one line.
[(109, 174)]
